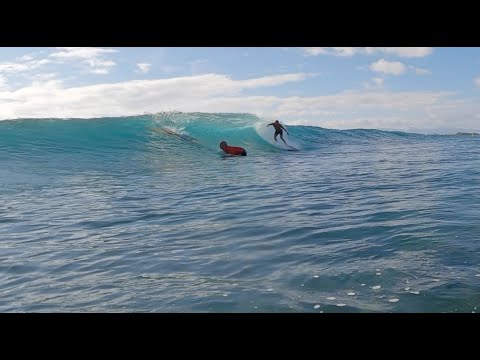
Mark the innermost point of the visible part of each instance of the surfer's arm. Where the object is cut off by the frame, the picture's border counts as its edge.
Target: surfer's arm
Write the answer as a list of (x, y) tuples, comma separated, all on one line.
[(285, 129), (270, 124)]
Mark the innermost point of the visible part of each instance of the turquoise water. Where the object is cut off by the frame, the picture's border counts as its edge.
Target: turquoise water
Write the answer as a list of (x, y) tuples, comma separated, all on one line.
[(115, 215)]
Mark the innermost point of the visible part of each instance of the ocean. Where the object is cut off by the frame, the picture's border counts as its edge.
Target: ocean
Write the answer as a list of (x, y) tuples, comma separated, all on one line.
[(146, 214)]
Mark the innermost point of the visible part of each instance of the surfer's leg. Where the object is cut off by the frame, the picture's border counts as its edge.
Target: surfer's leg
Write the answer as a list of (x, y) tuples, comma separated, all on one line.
[(281, 137), (275, 136)]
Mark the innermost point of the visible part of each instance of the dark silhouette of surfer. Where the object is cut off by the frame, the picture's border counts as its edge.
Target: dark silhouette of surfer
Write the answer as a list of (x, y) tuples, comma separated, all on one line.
[(278, 131)]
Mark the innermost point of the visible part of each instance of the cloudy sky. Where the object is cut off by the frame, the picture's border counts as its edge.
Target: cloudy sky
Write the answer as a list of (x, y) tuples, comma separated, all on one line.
[(385, 88)]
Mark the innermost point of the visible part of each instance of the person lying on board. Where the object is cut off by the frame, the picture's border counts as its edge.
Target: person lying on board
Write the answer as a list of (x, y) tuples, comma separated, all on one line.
[(232, 150)]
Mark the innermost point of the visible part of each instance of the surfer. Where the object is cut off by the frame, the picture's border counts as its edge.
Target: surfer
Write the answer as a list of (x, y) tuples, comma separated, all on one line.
[(232, 150), (278, 131)]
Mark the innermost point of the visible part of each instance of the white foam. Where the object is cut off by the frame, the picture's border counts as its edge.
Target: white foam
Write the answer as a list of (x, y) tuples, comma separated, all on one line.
[(269, 289), (341, 305), (225, 295), (407, 288), (378, 274), (415, 292), (436, 280), (316, 306), (393, 300), (376, 287), (377, 269), (302, 285), (478, 275), (316, 276), (362, 284), (331, 298), (321, 312), (351, 294)]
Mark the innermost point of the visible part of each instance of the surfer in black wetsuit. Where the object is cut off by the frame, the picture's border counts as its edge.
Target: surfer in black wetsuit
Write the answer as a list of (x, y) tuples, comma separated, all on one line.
[(278, 131)]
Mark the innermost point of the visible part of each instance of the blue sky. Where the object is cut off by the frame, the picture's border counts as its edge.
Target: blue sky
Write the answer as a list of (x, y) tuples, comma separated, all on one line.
[(385, 88)]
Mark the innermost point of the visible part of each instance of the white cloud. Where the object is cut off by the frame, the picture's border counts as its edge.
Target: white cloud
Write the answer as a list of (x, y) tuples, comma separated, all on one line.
[(101, 71), (11, 67), (388, 67), (44, 76), (81, 52), (271, 80), (218, 93), (26, 57), (477, 81), (22, 66), (49, 98), (3, 83), (350, 51), (407, 51), (420, 71), (376, 82), (93, 57), (314, 51), (396, 68), (337, 51), (144, 67), (37, 63), (345, 51)]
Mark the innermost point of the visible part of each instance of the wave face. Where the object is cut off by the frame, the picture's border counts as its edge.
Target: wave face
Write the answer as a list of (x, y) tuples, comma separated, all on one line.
[(145, 213), (110, 134)]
